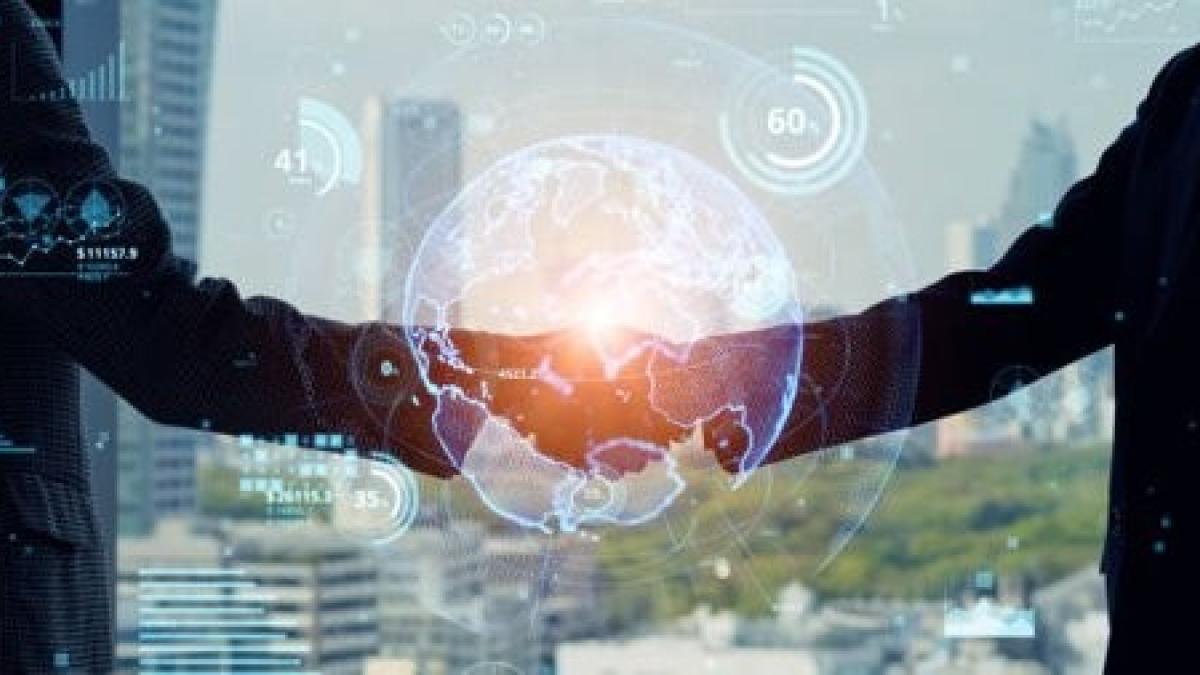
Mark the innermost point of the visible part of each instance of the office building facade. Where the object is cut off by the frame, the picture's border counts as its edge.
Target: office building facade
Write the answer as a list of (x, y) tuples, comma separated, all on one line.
[(168, 47)]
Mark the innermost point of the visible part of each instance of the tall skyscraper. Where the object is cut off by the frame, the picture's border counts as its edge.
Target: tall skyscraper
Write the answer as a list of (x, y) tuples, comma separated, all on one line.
[(1070, 406), (168, 50), (94, 39), (970, 246), (169, 46), (420, 175), (1046, 169), (1066, 406)]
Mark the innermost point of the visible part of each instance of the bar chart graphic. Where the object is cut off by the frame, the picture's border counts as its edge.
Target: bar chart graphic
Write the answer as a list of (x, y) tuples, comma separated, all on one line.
[(214, 621), (1136, 21), (105, 83)]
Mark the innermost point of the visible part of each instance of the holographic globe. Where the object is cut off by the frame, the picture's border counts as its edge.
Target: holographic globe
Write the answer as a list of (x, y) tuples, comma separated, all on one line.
[(587, 236)]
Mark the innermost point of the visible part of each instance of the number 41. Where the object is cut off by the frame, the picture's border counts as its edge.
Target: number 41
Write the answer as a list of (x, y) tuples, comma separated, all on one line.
[(292, 161)]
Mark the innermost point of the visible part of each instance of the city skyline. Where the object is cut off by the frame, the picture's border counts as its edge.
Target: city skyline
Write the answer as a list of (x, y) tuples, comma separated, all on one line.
[(944, 157), (970, 150)]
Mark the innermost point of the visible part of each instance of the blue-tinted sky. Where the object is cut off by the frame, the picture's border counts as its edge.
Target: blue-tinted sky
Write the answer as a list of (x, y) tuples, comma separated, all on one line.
[(952, 90)]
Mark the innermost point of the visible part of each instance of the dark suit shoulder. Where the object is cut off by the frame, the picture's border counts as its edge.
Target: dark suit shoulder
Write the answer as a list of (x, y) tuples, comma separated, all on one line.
[(1183, 70), (1169, 102)]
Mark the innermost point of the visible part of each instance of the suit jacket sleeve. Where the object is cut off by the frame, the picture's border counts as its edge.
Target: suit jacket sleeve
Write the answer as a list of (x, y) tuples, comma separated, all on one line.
[(933, 353), (185, 352)]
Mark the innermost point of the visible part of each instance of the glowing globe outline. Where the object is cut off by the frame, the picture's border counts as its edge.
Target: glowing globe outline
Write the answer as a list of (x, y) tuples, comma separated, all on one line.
[(768, 296)]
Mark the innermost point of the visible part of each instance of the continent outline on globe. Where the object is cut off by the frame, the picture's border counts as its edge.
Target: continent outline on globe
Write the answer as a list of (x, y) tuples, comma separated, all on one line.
[(627, 256)]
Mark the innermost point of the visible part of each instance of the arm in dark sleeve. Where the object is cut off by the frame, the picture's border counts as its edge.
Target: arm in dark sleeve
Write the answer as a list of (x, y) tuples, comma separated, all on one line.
[(183, 352), (924, 356)]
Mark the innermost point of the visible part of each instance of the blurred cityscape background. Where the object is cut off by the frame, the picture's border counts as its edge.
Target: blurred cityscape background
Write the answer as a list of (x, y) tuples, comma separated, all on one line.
[(981, 556)]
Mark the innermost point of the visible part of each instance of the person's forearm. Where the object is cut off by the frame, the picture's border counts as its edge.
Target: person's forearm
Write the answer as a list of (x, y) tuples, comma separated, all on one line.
[(198, 355), (936, 353), (921, 357), (185, 352), (856, 379)]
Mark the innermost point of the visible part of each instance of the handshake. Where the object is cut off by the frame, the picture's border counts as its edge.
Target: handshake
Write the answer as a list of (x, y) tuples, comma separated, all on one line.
[(608, 400)]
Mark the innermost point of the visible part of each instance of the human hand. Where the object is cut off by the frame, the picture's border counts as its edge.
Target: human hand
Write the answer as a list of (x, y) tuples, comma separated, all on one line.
[(759, 370), (573, 393)]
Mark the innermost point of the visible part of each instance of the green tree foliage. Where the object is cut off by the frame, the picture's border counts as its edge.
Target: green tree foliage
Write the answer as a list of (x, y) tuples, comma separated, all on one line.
[(1036, 514)]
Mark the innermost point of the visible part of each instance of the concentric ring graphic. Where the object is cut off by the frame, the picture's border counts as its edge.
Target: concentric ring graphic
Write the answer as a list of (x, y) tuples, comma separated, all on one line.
[(797, 130)]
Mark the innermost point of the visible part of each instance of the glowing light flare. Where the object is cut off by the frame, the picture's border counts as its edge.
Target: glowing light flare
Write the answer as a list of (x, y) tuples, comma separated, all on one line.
[(602, 330), (626, 255), (599, 318)]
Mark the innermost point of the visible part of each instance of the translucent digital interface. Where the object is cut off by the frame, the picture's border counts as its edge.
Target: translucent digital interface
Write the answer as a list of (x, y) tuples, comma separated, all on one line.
[(1134, 21), (38, 224), (679, 208), (596, 236), (529, 338), (532, 335), (369, 496), (713, 193), (634, 192)]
